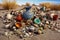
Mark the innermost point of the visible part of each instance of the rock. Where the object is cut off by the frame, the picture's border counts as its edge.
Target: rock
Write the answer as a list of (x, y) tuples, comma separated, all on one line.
[(21, 36), (6, 33), (14, 27), (9, 16), (59, 31), (27, 34), (47, 22), (42, 14), (35, 25), (51, 15), (7, 26), (40, 32), (32, 28)]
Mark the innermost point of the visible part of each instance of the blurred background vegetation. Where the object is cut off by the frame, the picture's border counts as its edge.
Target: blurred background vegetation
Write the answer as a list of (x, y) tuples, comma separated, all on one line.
[(9, 4), (51, 6), (12, 4)]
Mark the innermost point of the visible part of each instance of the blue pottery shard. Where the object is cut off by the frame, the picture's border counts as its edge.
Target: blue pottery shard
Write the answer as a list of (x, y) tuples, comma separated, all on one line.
[(28, 8), (37, 21), (28, 14)]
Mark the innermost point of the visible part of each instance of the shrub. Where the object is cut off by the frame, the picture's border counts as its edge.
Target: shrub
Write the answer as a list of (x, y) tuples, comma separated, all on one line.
[(9, 4)]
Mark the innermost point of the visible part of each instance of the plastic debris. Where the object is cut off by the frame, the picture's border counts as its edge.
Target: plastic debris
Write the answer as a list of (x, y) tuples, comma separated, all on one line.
[(37, 20)]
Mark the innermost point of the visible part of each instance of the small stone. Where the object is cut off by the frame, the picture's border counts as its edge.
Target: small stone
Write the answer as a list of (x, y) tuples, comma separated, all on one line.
[(40, 32), (41, 24), (27, 28), (4, 21), (41, 28), (32, 28), (52, 15), (54, 24), (58, 30), (24, 29), (9, 16), (27, 34), (7, 26), (6, 33), (30, 33), (14, 27), (49, 27), (42, 14), (51, 23), (35, 25), (21, 36), (47, 22)]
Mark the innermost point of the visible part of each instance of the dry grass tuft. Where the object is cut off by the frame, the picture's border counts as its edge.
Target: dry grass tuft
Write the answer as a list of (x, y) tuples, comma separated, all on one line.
[(51, 6), (9, 4)]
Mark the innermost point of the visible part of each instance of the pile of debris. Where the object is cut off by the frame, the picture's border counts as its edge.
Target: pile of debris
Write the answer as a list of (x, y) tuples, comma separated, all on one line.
[(28, 22)]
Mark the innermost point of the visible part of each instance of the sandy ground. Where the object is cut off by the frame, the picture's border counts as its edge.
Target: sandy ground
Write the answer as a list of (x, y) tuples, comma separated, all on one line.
[(48, 34)]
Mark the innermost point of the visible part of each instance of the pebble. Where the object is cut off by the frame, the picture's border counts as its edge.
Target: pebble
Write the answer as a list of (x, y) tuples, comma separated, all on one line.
[(6, 33), (21, 36), (42, 14), (49, 27), (52, 15), (9, 16), (35, 25), (59, 31), (26, 35), (30, 33), (14, 28), (47, 22), (39, 31), (7, 26), (32, 28), (41, 28)]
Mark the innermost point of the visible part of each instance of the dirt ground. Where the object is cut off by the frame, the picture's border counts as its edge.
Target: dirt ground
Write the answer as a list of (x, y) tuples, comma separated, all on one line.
[(48, 34)]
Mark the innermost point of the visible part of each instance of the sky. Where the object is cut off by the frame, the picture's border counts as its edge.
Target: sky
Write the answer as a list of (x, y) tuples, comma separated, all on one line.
[(20, 2)]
